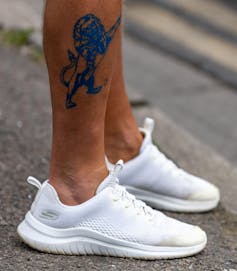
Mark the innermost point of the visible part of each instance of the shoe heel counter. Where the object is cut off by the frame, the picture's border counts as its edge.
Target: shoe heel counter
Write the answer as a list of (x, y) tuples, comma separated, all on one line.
[(45, 203), (34, 203)]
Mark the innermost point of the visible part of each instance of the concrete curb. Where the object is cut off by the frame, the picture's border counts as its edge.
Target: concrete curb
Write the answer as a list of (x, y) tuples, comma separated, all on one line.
[(198, 21), (193, 155), (161, 42)]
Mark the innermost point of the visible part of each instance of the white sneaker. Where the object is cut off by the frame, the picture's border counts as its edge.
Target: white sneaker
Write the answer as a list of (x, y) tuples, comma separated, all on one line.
[(112, 223), (153, 178)]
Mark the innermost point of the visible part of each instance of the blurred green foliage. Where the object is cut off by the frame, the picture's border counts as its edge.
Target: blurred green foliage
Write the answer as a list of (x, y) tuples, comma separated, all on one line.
[(17, 37)]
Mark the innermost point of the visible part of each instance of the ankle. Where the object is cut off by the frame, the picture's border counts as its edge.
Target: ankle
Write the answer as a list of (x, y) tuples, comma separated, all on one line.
[(76, 187), (123, 146)]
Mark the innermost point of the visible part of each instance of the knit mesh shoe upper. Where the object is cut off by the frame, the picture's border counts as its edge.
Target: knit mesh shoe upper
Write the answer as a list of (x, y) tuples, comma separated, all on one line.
[(151, 171)]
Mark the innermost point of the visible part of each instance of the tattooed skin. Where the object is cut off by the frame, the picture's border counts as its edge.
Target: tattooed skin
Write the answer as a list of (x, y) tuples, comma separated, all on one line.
[(91, 42)]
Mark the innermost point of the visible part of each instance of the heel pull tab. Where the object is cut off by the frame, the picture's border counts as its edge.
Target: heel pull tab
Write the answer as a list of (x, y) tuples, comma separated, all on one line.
[(34, 182), (149, 125)]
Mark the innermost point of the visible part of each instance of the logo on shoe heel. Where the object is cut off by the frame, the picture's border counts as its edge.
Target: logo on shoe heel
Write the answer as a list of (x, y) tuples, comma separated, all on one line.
[(49, 215)]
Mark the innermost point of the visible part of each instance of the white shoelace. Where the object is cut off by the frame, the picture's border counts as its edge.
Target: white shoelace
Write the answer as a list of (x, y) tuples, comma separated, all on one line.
[(131, 201), (121, 193)]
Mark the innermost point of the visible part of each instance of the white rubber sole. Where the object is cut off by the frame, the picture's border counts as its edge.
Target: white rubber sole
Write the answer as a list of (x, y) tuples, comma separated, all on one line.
[(81, 241), (167, 203)]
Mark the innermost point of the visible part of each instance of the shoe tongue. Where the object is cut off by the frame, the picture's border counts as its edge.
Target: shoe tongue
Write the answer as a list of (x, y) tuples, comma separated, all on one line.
[(109, 181)]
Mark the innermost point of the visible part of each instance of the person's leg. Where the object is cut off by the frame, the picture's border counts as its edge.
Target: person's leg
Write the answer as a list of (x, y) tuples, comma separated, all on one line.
[(113, 222), (80, 44), (170, 187), (122, 136)]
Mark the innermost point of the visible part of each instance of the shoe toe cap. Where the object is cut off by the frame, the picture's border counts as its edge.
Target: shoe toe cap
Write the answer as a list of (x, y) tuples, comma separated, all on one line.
[(188, 238), (180, 234), (208, 193), (193, 237)]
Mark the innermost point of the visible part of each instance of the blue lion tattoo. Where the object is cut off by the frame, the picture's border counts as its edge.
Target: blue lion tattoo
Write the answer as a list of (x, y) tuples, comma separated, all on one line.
[(91, 42)]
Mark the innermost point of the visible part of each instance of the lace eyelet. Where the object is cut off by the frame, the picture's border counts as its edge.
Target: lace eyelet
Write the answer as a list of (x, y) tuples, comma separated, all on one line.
[(114, 199)]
